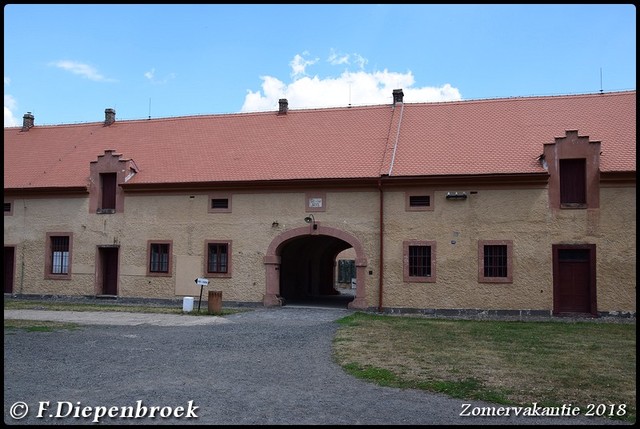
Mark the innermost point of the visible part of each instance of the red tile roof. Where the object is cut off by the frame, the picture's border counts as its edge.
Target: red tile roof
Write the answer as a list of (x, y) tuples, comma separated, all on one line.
[(451, 138)]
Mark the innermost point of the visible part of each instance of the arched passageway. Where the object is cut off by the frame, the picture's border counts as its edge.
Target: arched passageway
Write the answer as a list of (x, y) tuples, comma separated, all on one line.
[(300, 268), (307, 271)]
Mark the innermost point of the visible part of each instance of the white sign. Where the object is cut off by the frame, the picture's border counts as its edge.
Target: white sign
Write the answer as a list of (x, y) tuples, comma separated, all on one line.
[(315, 202), (202, 282)]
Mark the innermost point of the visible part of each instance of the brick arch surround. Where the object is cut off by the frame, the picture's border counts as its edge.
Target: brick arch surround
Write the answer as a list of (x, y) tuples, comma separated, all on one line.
[(272, 262)]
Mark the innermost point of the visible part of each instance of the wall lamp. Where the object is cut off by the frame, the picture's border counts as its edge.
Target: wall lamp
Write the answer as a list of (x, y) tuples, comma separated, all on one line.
[(312, 220), (456, 196)]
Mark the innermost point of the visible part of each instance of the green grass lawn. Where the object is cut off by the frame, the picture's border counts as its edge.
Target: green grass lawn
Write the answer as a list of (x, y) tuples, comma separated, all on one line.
[(504, 362)]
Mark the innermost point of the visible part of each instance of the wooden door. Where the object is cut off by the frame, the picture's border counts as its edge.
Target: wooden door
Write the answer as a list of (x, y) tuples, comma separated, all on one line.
[(574, 279)]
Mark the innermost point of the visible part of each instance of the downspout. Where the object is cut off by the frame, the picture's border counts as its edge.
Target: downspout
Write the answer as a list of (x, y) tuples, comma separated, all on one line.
[(381, 274)]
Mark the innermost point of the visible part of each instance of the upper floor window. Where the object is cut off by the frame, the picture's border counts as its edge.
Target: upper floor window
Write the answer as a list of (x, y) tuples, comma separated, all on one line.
[(419, 201), (495, 261), (219, 203), (8, 207), (58, 256), (160, 262), (419, 259), (108, 184), (573, 182)]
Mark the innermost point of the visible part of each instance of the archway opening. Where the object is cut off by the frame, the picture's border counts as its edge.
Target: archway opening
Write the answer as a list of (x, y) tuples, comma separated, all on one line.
[(308, 274)]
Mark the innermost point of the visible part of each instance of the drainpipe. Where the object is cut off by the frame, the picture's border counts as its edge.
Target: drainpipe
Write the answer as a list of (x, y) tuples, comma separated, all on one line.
[(381, 274)]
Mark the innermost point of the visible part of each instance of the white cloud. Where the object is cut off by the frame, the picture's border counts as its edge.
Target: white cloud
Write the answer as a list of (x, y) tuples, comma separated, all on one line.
[(151, 76), (360, 60), (299, 64), (81, 69), (349, 88), (336, 58), (9, 106)]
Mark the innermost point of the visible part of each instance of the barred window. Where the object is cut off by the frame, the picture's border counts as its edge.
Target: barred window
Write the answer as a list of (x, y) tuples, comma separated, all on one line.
[(419, 261), (60, 255), (495, 261)]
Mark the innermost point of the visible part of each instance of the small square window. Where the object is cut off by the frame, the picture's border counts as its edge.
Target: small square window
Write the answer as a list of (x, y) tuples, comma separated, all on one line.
[(219, 203), (8, 207), (416, 201)]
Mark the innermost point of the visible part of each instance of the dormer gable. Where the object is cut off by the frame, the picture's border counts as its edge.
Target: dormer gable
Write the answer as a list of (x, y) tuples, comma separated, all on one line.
[(573, 162), (106, 174)]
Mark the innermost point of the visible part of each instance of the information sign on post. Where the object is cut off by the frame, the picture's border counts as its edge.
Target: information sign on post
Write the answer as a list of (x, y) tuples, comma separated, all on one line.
[(202, 282)]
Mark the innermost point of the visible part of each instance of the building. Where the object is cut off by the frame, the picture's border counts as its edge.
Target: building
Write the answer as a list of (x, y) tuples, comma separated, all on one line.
[(506, 206)]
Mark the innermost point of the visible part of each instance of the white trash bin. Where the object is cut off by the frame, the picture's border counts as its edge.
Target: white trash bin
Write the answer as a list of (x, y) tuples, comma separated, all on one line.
[(187, 304)]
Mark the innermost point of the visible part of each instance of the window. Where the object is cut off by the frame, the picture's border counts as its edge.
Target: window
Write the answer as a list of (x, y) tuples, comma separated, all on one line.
[(419, 261), (219, 203), (418, 201), (58, 256), (494, 261), (108, 182), (573, 182), (8, 207), (160, 260), (346, 270), (218, 259)]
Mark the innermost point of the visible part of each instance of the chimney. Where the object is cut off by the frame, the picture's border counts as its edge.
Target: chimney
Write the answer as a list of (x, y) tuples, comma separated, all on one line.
[(397, 96), (284, 106), (109, 117), (27, 121)]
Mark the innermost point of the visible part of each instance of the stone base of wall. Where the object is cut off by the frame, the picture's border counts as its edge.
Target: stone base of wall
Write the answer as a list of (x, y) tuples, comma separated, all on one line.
[(110, 299), (470, 314), (479, 314)]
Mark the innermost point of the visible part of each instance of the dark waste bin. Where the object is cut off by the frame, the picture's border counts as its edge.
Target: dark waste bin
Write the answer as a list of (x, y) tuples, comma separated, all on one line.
[(215, 301)]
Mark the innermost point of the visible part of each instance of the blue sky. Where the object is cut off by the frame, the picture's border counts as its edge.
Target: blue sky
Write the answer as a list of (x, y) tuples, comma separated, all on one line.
[(68, 63)]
